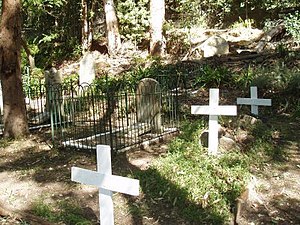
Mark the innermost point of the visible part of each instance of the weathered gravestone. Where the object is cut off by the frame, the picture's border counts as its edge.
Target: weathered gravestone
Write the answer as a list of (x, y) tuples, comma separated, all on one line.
[(148, 99), (87, 70), (213, 110), (53, 82), (254, 101), (106, 182)]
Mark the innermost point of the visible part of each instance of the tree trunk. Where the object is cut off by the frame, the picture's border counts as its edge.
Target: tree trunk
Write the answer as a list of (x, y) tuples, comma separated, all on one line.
[(14, 111), (157, 18), (112, 27), (86, 27)]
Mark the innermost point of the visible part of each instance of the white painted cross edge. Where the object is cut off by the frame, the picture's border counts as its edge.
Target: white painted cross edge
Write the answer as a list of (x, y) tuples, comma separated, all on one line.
[(110, 182), (253, 101), (216, 111)]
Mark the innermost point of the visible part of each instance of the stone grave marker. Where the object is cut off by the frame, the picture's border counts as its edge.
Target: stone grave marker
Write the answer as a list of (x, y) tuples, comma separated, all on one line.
[(148, 101), (53, 81), (87, 70), (213, 110), (106, 182), (254, 101)]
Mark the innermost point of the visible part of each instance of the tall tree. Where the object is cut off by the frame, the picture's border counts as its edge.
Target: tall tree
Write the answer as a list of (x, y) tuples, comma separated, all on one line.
[(112, 27), (157, 18), (87, 34), (14, 111)]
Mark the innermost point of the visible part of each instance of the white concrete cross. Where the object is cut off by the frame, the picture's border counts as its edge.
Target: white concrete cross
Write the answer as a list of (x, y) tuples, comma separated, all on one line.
[(254, 101), (106, 182), (213, 110)]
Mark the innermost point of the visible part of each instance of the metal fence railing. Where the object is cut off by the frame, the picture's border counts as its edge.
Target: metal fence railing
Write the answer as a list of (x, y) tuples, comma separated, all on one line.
[(83, 116), (87, 117)]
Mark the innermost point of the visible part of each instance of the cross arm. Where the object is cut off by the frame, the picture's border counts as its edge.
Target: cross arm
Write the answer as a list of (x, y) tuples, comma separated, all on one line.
[(225, 110), (110, 182), (249, 101)]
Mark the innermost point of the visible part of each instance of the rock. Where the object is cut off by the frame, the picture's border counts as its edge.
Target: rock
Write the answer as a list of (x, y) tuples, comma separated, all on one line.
[(227, 144), (203, 140), (244, 137), (214, 45), (247, 121)]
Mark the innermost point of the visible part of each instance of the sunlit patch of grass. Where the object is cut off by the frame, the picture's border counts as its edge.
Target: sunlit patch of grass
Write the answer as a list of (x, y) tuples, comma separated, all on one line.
[(64, 211), (202, 187)]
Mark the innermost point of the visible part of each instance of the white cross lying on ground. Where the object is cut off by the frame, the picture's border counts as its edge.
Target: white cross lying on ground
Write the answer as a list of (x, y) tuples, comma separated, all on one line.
[(106, 182), (213, 110), (254, 101)]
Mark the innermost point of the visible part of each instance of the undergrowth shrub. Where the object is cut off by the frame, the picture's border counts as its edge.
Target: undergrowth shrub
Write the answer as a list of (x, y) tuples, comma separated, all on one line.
[(292, 24)]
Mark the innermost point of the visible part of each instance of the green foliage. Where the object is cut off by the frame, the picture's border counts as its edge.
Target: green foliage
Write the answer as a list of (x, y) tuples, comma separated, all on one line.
[(202, 187), (178, 42), (32, 83), (71, 80), (133, 19), (245, 78), (265, 147), (53, 27), (292, 24), (64, 211), (296, 112), (247, 23), (213, 77)]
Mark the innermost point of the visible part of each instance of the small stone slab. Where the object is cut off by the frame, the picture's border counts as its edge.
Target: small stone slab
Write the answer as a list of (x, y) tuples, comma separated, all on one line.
[(148, 100), (87, 72)]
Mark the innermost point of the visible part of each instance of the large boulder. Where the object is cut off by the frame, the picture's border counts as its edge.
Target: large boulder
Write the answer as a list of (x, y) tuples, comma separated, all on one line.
[(214, 45)]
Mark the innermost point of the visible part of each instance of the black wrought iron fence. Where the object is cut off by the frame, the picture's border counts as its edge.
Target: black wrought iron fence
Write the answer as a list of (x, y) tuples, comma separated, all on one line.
[(83, 116), (86, 117)]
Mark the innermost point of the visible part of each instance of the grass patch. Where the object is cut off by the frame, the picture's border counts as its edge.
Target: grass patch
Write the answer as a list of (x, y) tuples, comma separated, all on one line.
[(63, 211), (203, 187)]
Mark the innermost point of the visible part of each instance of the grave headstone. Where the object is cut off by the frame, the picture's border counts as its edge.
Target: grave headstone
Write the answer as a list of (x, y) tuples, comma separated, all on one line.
[(53, 80), (213, 110), (254, 101), (87, 69), (148, 101), (53, 77), (106, 182)]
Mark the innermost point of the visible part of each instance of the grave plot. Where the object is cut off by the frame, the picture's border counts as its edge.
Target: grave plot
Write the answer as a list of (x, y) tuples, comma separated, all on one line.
[(120, 119)]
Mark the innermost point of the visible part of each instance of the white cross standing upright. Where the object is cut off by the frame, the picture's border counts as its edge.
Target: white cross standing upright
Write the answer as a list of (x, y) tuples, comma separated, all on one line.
[(106, 182), (214, 110), (254, 101)]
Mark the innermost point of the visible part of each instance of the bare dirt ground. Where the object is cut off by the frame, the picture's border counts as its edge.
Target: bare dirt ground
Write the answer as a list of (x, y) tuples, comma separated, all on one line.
[(30, 171), (279, 183)]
